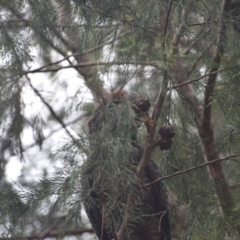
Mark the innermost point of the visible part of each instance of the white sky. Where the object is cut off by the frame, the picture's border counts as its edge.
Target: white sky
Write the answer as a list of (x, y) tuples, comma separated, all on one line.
[(56, 95)]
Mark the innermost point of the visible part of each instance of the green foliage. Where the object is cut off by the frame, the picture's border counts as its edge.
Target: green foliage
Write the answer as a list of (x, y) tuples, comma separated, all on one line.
[(124, 43)]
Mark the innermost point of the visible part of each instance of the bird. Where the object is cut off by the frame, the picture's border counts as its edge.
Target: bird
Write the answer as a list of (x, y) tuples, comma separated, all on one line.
[(108, 174)]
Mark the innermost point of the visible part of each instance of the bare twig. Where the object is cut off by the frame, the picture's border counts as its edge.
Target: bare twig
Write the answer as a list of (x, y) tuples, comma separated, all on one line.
[(204, 76), (50, 109), (88, 64), (160, 220), (41, 69), (191, 169), (79, 118)]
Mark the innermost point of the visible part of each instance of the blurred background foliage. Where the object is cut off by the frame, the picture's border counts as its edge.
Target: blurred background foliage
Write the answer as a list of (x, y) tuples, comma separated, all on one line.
[(60, 57)]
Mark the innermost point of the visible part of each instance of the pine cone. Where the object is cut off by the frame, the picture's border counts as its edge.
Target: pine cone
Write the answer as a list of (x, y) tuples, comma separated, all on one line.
[(141, 104), (167, 132)]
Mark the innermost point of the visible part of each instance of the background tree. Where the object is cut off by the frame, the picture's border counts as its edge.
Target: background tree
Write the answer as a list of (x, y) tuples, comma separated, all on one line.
[(183, 54)]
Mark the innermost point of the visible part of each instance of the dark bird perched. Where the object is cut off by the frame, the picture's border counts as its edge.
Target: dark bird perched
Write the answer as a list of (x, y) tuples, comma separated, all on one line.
[(166, 132), (109, 174)]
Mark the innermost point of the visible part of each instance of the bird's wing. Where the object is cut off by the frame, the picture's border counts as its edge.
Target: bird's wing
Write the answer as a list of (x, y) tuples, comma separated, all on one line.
[(93, 212)]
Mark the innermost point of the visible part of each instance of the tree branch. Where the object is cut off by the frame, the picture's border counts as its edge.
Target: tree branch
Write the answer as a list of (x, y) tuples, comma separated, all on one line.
[(47, 231), (222, 37), (207, 135), (27, 23), (191, 169), (75, 44), (151, 124), (51, 110), (204, 76), (88, 64), (205, 131), (199, 36), (79, 118), (199, 59)]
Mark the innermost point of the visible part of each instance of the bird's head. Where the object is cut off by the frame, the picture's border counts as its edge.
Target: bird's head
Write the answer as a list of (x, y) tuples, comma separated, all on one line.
[(120, 110)]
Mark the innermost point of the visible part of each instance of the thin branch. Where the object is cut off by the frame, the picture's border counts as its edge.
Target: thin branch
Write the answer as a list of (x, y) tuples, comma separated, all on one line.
[(162, 93), (90, 50), (54, 234), (46, 232), (191, 169), (216, 171), (160, 99), (154, 214), (222, 37), (42, 70), (62, 26), (151, 124), (208, 74), (191, 81), (198, 38), (160, 220), (198, 59), (74, 44), (181, 28), (211, 152), (203, 23), (150, 136), (88, 64), (96, 87), (27, 23), (79, 118), (50, 109)]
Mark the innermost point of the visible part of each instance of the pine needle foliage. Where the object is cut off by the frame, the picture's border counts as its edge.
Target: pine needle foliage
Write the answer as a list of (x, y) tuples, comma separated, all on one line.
[(112, 159), (47, 97)]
